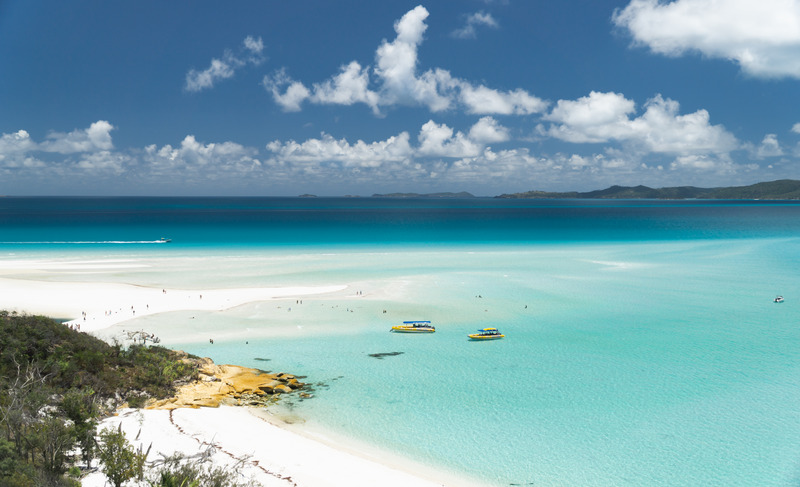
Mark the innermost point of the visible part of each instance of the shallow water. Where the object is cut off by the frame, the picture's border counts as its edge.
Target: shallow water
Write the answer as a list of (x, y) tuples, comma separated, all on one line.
[(643, 347)]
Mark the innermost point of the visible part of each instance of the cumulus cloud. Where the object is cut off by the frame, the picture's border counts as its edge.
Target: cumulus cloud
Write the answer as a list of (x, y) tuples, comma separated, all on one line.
[(103, 162), (220, 69), (397, 81), (796, 128), (96, 137), (434, 140), (16, 143), (769, 147), (440, 140), (703, 163), (762, 37), (211, 159), (487, 130), (478, 19), (658, 141), (483, 100), (360, 153), (348, 87), (294, 92), (598, 117), (604, 117)]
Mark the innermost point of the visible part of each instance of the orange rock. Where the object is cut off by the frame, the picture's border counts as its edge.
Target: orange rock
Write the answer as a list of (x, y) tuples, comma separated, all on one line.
[(226, 383)]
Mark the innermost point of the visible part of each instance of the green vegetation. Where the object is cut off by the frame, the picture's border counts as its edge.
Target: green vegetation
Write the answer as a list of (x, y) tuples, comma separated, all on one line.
[(55, 384), (785, 189), (121, 462)]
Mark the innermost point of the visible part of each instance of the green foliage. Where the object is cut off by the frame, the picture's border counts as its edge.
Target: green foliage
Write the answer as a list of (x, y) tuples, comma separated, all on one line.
[(784, 189), (156, 369), (52, 380), (178, 471), (120, 462)]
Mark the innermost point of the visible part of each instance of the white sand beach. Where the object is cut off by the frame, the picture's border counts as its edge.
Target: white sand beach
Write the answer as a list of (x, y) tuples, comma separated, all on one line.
[(275, 456), (95, 306), (271, 455)]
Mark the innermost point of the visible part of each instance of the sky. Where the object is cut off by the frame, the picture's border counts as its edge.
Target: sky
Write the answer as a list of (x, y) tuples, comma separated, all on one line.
[(358, 97)]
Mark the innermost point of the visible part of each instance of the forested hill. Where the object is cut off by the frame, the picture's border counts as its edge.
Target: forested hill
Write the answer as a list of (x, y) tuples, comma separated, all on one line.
[(784, 189)]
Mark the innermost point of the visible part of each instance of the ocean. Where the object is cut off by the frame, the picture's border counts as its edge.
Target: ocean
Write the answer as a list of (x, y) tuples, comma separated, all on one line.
[(643, 346)]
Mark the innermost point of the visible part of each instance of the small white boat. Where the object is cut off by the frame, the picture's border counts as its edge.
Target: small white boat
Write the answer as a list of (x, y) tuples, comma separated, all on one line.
[(779, 299), (164, 240), (414, 327)]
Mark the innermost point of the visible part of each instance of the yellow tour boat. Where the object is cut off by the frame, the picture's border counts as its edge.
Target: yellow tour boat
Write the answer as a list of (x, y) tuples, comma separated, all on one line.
[(414, 327), (487, 334)]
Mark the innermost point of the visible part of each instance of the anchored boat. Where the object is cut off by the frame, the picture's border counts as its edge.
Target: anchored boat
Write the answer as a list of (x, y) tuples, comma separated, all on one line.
[(414, 327), (487, 334)]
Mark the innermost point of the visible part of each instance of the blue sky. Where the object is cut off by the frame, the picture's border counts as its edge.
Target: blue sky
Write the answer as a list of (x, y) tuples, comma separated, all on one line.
[(356, 97)]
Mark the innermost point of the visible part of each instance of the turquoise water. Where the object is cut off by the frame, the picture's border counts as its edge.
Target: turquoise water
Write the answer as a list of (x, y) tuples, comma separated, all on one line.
[(643, 347)]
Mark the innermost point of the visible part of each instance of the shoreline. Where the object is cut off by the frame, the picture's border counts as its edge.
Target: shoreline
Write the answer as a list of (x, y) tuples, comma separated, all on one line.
[(268, 451), (281, 454)]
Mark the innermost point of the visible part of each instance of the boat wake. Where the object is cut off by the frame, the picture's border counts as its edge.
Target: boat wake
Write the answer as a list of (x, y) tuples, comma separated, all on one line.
[(88, 242)]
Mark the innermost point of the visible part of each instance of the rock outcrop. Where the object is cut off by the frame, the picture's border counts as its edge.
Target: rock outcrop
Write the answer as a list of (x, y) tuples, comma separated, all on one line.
[(229, 385)]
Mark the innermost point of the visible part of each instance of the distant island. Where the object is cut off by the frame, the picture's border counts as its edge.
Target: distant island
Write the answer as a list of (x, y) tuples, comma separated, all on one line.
[(784, 189), (462, 194)]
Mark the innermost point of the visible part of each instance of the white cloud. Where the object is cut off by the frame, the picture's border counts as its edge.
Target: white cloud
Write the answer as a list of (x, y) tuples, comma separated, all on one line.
[(483, 100), (103, 161), (487, 131), (604, 117), (198, 164), (200, 80), (293, 95), (763, 37), (348, 87), (361, 154), (703, 163), (398, 82), (769, 147), (397, 66), (255, 46), (661, 129), (441, 141), (96, 137), (598, 117), (796, 128), (475, 20), (18, 142), (439, 156), (226, 67)]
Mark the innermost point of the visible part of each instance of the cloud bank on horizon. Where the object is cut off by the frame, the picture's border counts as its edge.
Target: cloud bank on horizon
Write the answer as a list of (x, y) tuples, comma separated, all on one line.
[(467, 134)]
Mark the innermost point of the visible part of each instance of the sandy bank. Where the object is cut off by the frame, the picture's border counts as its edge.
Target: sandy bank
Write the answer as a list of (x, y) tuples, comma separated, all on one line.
[(93, 306)]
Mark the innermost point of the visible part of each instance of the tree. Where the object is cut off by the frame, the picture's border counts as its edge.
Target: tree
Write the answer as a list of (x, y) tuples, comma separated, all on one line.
[(23, 397), (53, 438), (80, 407), (121, 463)]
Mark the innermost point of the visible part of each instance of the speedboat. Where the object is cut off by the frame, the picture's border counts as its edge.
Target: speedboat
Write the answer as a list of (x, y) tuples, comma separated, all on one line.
[(487, 334), (414, 327), (164, 240), (779, 299)]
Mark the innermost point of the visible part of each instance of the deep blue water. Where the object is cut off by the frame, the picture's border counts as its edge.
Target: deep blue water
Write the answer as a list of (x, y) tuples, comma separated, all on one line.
[(353, 221)]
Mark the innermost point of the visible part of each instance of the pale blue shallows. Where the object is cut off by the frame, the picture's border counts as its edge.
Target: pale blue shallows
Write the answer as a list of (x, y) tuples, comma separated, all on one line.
[(643, 346)]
